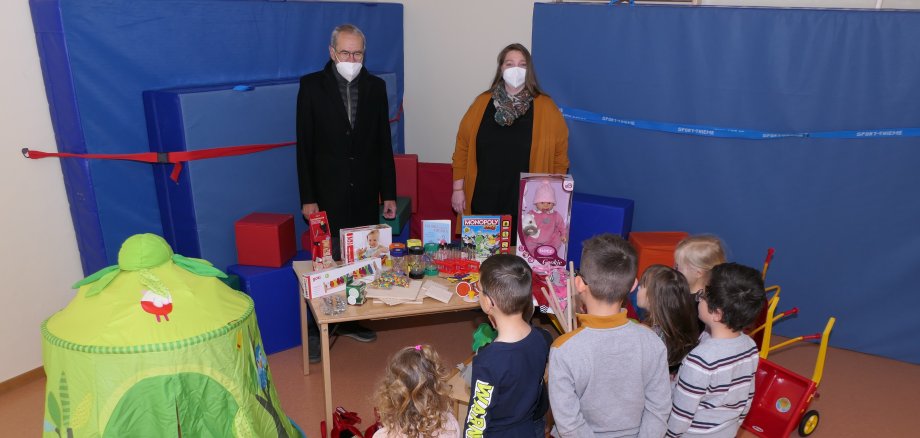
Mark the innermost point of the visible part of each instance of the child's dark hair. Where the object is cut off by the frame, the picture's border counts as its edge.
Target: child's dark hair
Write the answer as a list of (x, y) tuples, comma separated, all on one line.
[(737, 291), (608, 267), (672, 308), (505, 279)]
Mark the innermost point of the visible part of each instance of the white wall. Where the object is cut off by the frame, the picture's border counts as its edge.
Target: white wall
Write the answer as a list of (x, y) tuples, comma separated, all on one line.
[(39, 260), (450, 49)]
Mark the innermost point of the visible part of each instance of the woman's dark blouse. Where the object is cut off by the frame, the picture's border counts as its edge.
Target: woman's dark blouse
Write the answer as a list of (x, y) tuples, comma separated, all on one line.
[(502, 153)]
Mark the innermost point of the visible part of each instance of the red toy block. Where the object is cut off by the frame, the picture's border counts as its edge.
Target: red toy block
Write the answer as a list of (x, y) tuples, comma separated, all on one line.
[(407, 178), (434, 201), (655, 247), (265, 239)]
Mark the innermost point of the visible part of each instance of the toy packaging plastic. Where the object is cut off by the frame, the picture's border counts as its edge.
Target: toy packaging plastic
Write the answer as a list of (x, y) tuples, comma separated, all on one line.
[(365, 242), (321, 240), (545, 208), (486, 235)]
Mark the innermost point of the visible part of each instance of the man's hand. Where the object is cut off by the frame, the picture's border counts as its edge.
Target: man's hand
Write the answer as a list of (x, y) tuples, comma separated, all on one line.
[(309, 209), (458, 201), (389, 209)]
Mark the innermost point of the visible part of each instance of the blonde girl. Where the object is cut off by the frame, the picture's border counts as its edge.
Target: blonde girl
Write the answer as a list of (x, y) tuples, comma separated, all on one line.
[(672, 311), (413, 399), (695, 257)]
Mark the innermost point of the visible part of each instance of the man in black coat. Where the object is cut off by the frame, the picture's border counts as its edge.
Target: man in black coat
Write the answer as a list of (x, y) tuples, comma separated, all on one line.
[(344, 153)]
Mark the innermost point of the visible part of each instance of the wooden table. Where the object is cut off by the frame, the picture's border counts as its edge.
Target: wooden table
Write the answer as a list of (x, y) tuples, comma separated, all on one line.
[(367, 311)]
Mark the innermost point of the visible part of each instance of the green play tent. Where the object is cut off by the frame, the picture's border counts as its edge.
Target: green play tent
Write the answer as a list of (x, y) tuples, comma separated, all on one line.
[(158, 346)]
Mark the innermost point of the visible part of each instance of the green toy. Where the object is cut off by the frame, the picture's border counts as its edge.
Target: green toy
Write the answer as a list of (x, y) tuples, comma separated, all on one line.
[(355, 291), (158, 345), (484, 335)]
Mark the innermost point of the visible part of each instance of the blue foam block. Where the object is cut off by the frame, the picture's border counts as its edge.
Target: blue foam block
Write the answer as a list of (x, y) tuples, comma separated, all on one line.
[(593, 214), (276, 294), (403, 235)]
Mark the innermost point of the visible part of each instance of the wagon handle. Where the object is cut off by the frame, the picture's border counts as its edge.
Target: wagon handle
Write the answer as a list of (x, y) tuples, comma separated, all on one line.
[(822, 351), (795, 339), (792, 311), (768, 328), (775, 289), (766, 263)]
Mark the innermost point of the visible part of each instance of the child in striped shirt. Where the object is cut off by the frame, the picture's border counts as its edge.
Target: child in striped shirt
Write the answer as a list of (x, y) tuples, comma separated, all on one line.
[(715, 384)]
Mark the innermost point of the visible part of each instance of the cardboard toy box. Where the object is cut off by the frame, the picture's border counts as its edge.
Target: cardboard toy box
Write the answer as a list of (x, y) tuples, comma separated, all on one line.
[(543, 233), (321, 283), (545, 209), (320, 241), (486, 235), (365, 242)]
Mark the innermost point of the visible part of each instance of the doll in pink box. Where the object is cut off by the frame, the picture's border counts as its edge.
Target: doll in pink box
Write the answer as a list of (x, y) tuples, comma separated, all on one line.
[(543, 225)]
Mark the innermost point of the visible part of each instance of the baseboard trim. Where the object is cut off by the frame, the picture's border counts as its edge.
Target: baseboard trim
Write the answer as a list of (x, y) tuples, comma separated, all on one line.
[(22, 380)]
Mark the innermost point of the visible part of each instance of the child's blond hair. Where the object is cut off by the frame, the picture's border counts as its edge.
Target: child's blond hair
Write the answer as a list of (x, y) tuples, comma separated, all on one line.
[(413, 396), (703, 252)]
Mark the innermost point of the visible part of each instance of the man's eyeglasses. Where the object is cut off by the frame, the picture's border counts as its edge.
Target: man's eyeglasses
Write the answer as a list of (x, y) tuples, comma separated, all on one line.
[(345, 54), (700, 295)]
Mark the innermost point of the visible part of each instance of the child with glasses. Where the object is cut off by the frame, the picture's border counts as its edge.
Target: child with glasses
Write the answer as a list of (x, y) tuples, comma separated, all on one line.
[(507, 397), (609, 377), (715, 384)]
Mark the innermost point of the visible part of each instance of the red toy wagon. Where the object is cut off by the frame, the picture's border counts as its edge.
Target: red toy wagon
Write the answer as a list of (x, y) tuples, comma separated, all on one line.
[(782, 397)]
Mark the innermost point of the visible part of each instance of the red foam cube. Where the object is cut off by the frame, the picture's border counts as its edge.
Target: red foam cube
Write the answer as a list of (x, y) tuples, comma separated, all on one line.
[(407, 178), (655, 247), (265, 239)]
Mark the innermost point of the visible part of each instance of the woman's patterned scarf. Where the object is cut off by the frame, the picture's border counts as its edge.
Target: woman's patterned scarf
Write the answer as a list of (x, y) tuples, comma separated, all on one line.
[(507, 107)]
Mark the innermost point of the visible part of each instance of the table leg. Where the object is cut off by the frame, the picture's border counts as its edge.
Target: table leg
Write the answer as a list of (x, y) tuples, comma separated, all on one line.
[(304, 336), (327, 372)]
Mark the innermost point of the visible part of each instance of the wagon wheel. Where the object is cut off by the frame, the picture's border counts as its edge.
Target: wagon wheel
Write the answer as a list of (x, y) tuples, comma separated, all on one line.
[(809, 423)]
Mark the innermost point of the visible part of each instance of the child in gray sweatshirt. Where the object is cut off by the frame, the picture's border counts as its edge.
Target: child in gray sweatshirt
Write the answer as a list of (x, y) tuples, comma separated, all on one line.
[(609, 377)]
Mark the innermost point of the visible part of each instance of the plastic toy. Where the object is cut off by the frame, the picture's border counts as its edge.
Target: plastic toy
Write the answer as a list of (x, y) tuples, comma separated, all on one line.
[(469, 289), (457, 267), (782, 397), (388, 279), (484, 335)]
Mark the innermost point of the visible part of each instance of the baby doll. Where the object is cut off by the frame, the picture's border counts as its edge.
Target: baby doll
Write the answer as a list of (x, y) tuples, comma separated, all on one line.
[(548, 227), (374, 249)]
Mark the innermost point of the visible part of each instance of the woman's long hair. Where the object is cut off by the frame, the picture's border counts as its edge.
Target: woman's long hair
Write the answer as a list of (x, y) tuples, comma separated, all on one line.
[(414, 396), (673, 309), (530, 79)]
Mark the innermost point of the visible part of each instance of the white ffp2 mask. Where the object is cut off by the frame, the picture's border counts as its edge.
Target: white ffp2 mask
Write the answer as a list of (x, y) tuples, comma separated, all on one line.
[(514, 76), (348, 70)]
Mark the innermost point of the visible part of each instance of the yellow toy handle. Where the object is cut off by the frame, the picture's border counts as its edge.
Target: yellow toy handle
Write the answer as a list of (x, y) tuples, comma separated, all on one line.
[(822, 351), (768, 328)]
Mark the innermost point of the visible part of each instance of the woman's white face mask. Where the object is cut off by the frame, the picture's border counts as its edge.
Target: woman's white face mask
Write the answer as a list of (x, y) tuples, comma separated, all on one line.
[(514, 76), (348, 70)]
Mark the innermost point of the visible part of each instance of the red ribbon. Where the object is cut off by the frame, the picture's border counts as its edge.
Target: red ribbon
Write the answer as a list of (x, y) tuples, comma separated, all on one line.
[(175, 158)]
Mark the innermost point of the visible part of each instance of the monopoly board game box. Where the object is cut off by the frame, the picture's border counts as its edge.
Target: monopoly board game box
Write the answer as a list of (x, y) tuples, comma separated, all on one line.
[(486, 235)]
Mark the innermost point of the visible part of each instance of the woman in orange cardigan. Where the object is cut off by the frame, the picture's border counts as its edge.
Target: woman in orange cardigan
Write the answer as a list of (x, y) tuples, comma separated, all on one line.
[(512, 127)]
